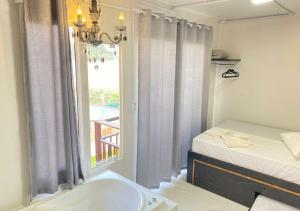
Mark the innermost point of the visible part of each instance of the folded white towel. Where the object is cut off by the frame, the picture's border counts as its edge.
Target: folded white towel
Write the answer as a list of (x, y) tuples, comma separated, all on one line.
[(230, 138), (216, 132), (240, 135), (233, 141), (292, 141)]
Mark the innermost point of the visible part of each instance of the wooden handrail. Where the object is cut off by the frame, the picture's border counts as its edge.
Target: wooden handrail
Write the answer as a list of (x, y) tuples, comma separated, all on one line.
[(109, 143), (111, 135), (112, 119)]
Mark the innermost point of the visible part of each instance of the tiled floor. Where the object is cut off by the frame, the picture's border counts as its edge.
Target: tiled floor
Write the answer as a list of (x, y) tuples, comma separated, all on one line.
[(192, 198)]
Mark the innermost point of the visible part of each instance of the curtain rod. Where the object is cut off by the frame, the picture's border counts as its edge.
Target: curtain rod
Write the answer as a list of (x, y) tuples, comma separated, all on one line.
[(253, 18), (190, 24), (139, 11)]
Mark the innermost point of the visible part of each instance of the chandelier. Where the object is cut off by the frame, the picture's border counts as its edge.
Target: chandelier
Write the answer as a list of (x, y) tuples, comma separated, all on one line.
[(93, 35)]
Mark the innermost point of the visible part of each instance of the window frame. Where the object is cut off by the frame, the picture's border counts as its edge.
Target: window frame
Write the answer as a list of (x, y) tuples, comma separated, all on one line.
[(81, 70)]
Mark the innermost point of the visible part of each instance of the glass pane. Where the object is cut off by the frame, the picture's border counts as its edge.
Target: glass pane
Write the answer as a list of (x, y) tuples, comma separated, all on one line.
[(104, 102)]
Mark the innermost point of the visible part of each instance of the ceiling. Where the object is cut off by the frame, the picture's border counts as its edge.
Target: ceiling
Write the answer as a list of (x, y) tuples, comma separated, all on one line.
[(227, 10)]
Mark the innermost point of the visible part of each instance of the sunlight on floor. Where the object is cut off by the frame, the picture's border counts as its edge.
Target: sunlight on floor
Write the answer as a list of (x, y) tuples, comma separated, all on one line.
[(192, 198)]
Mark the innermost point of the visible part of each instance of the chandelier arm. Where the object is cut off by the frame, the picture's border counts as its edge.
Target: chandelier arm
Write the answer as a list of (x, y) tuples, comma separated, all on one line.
[(110, 39), (81, 37)]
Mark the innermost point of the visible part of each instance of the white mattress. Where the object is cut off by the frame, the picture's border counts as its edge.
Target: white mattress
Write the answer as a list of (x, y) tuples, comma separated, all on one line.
[(269, 155)]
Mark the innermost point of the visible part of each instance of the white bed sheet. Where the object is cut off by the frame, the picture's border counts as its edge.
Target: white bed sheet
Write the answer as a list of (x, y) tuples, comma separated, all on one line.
[(269, 156)]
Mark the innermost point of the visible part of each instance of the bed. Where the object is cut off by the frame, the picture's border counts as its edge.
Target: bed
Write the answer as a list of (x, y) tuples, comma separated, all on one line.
[(241, 174)]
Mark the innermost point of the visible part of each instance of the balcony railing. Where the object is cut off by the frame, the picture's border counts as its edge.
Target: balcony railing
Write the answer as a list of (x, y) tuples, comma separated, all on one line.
[(107, 139)]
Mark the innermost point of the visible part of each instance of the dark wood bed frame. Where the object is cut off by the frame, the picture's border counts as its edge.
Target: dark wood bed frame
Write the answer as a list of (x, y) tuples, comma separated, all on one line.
[(237, 183)]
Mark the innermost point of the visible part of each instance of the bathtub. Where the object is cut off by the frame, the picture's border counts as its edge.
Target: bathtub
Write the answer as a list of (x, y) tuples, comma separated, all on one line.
[(106, 192)]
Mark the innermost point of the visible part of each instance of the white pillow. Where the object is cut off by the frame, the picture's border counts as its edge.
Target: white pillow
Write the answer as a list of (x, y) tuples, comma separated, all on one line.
[(292, 141)]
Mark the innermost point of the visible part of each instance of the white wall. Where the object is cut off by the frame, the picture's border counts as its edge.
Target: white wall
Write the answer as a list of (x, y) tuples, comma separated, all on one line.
[(268, 89), (13, 158)]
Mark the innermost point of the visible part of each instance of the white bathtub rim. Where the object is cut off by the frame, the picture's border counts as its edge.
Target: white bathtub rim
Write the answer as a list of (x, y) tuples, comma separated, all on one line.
[(112, 175), (42, 199)]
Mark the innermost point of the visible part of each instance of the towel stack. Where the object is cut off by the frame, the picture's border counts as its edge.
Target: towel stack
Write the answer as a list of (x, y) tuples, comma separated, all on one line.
[(230, 138)]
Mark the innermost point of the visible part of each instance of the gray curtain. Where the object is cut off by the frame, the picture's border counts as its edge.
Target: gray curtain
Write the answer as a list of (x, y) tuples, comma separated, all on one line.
[(48, 85), (157, 54), (193, 59), (174, 64)]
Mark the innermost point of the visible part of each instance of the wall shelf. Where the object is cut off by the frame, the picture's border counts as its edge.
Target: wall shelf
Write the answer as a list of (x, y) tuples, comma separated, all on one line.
[(225, 61)]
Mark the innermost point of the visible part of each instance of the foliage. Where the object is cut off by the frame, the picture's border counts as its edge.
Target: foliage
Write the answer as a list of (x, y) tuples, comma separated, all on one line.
[(93, 162), (110, 98)]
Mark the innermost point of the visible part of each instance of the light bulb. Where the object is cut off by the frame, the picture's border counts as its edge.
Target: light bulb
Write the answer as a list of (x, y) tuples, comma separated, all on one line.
[(79, 15), (79, 12), (261, 1), (121, 16), (121, 19)]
